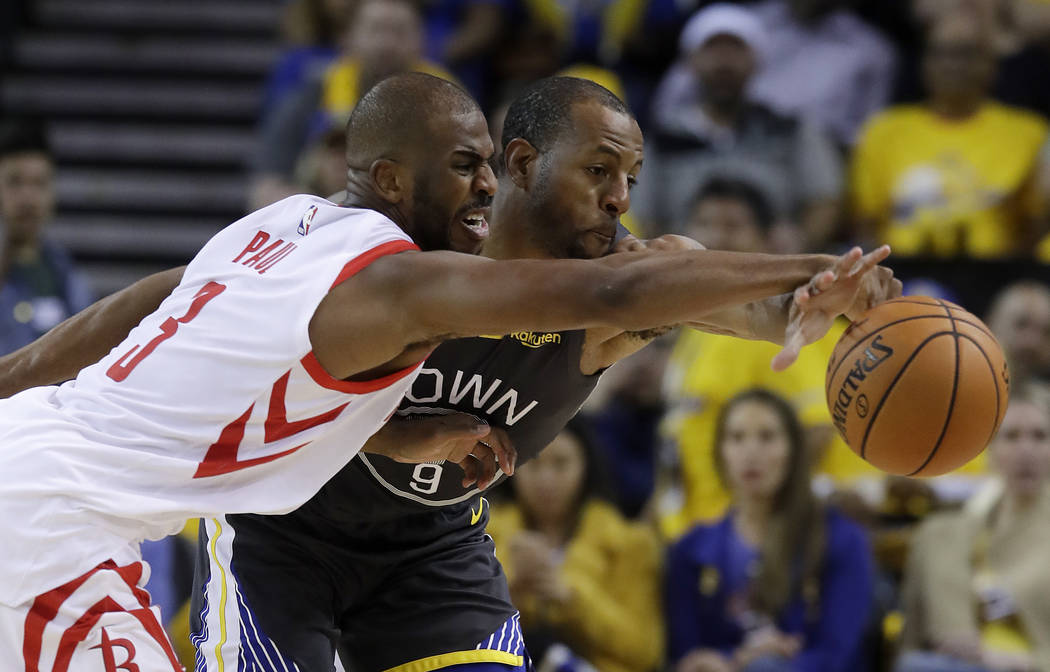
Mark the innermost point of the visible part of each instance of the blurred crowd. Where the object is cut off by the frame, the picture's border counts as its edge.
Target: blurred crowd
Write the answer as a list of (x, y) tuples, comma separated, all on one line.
[(702, 514)]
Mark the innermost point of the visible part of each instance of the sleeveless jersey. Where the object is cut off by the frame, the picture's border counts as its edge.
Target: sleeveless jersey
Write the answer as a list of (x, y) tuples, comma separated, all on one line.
[(213, 404), (528, 383)]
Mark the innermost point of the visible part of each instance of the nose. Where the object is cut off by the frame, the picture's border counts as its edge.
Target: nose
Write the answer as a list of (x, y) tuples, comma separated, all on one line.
[(485, 181), (617, 200)]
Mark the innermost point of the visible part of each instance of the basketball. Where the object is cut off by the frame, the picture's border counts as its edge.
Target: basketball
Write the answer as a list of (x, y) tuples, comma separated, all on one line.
[(917, 386)]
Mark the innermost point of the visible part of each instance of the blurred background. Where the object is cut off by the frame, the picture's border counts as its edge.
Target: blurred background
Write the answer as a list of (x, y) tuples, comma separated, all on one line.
[(133, 130)]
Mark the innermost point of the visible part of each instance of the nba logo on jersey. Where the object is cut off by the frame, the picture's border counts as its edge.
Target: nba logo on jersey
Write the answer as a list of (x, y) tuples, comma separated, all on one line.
[(308, 218)]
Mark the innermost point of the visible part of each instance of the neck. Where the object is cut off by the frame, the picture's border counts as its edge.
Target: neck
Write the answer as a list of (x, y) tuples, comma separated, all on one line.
[(956, 109), (724, 112), (509, 238), (752, 517), (359, 196)]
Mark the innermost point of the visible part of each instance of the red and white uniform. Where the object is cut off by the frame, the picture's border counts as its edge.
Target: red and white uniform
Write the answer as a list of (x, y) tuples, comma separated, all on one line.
[(214, 404)]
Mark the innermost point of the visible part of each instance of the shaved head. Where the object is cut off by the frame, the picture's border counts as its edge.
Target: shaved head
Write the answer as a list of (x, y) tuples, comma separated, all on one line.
[(417, 150), (395, 117)]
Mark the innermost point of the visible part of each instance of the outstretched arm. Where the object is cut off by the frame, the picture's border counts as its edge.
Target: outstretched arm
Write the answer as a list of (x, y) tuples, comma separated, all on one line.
[(775, 319), (416, 298), (86, 337)]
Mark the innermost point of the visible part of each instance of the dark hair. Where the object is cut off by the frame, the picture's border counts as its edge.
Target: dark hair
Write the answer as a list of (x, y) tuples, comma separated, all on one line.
[(542, 112), (738, 190), (21, 136), (595, 483), (792, 553)]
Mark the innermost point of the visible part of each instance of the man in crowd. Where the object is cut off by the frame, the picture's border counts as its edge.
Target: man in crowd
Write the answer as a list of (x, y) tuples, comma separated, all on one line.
[(39, 285), (706, 124)]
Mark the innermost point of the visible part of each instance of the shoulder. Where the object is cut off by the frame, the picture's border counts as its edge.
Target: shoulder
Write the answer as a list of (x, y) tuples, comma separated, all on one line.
[(1018, 121), (844, 531), (891, 120), (772, 121), (602, 525), (697, 545)]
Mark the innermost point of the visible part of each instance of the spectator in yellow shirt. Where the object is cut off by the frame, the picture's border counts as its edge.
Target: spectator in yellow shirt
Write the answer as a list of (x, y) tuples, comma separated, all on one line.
[(957, 174), (585, 579), (706, 370)]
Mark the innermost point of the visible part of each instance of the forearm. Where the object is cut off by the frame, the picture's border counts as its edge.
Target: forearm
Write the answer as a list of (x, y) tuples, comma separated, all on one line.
[(754, 288), (86, 337), (764, 320)]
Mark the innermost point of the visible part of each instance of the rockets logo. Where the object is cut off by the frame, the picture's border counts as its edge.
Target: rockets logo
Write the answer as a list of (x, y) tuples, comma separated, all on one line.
[(110, 661)]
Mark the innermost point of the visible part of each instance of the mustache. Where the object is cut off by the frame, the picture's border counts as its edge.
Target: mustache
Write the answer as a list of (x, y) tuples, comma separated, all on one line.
[(482, 201)]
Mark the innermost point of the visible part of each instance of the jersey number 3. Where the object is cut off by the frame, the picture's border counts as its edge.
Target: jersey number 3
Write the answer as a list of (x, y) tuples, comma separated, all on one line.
[(123, 367)]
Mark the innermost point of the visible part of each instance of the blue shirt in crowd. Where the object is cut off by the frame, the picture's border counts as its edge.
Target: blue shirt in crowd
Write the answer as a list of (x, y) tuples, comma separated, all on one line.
[(707, 579)]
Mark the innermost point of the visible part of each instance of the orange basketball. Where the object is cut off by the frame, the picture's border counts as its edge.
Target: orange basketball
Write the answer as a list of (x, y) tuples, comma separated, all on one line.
[(917, 386)]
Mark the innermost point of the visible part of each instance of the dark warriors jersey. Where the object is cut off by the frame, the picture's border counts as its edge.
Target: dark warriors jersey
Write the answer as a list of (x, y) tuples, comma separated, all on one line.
[(528, 383)]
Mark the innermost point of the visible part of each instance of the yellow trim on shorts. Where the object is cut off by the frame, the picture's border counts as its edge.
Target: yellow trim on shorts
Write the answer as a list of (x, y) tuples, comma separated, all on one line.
[(222, 596), (459, 658)]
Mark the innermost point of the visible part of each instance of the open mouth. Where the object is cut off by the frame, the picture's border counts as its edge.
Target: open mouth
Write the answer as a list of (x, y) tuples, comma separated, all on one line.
[(476, 224)]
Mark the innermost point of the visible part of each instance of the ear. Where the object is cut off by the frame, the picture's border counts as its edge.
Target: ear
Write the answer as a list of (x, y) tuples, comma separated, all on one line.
[(520, 161), (390, 180)]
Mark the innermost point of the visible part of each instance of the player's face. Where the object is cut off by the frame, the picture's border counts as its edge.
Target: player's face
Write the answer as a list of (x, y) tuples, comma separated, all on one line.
[(1022, 448), (452, 191), (584, 183), (726, 224), (549, 486), (27, 195), (756, 451)]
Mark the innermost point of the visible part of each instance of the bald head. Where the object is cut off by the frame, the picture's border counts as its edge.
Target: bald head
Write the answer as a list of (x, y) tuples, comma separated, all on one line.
[(395, 117)]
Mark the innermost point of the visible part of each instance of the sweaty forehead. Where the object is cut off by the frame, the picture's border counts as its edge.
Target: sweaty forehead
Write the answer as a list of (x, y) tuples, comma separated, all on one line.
[(460, 131), (595, 125)]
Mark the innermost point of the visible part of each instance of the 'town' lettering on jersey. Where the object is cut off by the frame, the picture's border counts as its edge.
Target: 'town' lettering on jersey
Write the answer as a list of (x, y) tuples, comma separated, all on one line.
[(459, 390), (263, 258)]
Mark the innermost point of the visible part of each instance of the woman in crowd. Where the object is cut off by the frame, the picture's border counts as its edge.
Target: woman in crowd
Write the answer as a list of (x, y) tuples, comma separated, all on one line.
[(585, 579), (976, 593), (779, 583)]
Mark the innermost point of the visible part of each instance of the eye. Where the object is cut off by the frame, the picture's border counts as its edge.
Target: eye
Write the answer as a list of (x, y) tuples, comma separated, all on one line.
[(464, 168), (632, 181), (597, 170)]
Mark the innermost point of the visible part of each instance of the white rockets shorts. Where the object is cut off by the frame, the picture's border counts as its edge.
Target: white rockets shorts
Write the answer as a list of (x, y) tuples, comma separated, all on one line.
[(101, 621)]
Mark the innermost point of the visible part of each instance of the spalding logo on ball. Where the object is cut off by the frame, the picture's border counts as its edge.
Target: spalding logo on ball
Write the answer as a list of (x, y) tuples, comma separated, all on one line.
[(917, 386)]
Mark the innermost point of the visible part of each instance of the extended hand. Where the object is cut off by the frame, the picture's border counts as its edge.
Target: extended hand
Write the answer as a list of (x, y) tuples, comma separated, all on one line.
[(854, 282), (456, 437)]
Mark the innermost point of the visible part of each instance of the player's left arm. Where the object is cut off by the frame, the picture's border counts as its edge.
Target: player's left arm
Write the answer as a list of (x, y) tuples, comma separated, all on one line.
[(86, 337), (777, 319)]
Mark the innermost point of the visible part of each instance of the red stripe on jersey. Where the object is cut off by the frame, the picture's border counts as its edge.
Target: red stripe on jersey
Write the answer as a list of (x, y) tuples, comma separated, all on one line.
[(368, 256), (314, 368), (321, 377), (277, 426)]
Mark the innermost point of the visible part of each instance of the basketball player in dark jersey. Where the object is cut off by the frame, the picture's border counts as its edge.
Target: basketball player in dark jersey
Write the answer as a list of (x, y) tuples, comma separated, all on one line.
[(389, 563)]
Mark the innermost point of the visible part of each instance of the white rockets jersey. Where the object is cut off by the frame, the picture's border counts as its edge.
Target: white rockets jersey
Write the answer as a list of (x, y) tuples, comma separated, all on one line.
[(213, 404)]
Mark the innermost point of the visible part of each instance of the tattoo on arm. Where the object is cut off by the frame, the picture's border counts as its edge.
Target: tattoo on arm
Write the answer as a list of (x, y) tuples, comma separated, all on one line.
[(651, 334)]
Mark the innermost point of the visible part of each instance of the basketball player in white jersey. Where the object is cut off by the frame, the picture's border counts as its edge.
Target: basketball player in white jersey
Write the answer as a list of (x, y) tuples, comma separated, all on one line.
[(289, 341)]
